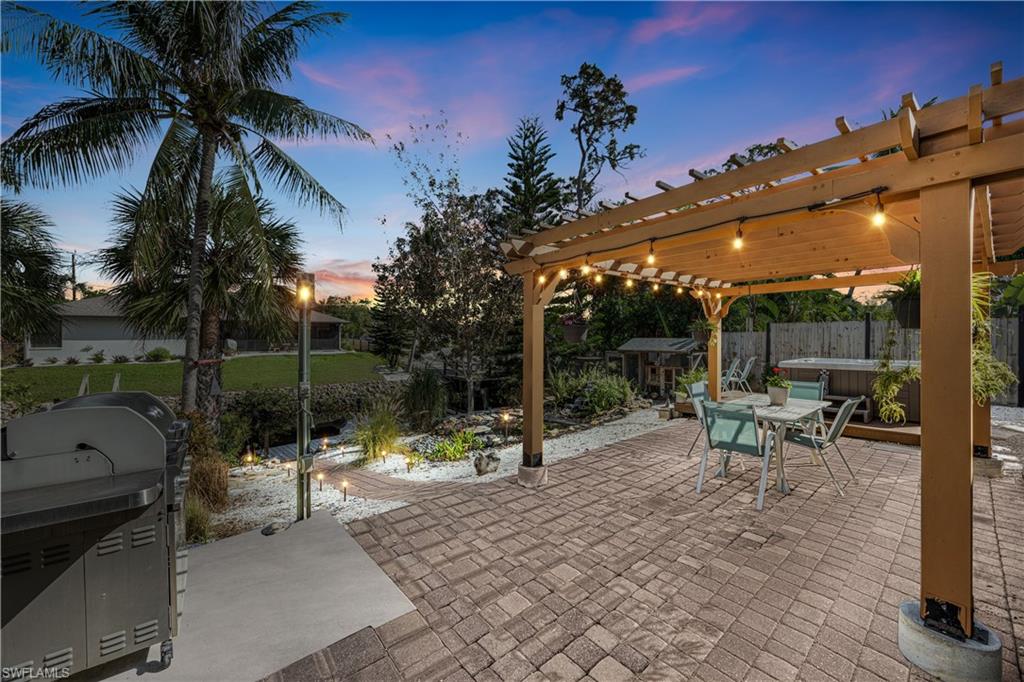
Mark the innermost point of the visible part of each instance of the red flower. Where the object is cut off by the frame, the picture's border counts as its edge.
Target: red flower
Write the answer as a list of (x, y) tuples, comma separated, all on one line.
[(775, 370)]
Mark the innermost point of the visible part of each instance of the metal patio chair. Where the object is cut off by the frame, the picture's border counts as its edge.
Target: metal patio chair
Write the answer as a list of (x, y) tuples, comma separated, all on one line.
[(740, 379), (734, 430), (729, 375), (698, 398), (810, 390), (830, 440)]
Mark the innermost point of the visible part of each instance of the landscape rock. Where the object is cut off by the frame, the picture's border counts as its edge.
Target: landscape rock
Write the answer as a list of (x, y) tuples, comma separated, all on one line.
[(275, 527), (486, 463)]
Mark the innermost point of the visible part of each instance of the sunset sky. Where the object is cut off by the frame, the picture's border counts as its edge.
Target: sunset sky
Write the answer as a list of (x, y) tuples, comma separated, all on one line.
[(709, 79)]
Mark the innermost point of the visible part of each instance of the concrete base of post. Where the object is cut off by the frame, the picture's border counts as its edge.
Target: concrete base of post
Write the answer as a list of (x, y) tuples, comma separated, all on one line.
[(945, 657), (533, 477)]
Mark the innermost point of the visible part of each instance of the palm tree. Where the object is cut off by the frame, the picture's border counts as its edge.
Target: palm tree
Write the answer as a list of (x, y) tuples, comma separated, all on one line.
[(248, 260), (31, 282), (196, 77)]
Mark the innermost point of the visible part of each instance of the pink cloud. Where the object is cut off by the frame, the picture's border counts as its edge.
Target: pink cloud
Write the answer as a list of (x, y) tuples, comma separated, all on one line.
[(683, 18), (340, 277), (651, 79)]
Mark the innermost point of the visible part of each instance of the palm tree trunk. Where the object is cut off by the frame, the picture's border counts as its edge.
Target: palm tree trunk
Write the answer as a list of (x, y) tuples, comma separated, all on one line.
[(194, 306), (208, 400)]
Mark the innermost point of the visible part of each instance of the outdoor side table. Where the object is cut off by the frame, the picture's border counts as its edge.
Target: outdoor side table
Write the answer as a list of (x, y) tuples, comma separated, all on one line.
[(778, 418)]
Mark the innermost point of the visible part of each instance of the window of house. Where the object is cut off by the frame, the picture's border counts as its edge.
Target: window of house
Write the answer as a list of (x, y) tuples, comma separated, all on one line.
[(50, 336)]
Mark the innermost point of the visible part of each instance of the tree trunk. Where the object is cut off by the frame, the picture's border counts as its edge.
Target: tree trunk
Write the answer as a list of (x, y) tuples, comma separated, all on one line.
[(194, 305), (469, 384), (208, 393)]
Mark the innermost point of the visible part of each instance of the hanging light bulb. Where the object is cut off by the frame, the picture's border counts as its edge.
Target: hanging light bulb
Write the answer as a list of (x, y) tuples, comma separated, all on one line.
[(737, 242), (563, 273), (655, 286), (599, 278), (585, 270), (629, 283), (679, 290), (541, 278), (878, 217), (718, 295), (650, 254)]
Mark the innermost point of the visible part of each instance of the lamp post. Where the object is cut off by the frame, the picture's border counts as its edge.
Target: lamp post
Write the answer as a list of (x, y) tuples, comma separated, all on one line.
[(303, 457)]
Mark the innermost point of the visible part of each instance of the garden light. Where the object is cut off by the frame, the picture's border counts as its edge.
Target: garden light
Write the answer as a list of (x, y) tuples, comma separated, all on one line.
[(408, 464), (304, 294), (344, 491), (320, 480)]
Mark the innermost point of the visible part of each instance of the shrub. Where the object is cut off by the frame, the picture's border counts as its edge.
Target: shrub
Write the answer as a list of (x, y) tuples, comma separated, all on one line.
[(686, 379), (234, 435), (20, 397), (424, 399), (597, 390), (52, 360), (208, 479), (71, 360), (268, 412), (99, 357), (158, 354), (197, 520), (120, 359), (456, 447), (377, 429)]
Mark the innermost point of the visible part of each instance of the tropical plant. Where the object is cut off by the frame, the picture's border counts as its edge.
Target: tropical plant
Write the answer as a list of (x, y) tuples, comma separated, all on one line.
[(889, 380), (249, 256), (601, 113), (595, 390), (120, 359), (690, 377), (71, 360), (455, 448), (989, 376), (702, 328), (52, 360), (158, 354), (531, 190), (31, 283), (234, 435), (377, 430), (20, 397), (424, 398), (99, 357), (198, 79)]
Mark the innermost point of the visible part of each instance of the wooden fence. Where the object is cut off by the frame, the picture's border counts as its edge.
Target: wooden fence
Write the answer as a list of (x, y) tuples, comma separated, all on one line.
[(853, 340)]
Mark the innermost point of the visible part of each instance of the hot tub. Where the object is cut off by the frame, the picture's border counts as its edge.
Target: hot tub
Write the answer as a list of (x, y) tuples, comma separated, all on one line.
[(850, 377)]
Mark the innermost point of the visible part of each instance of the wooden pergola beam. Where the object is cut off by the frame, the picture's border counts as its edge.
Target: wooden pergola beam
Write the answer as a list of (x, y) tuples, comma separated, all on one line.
[(983, 201)]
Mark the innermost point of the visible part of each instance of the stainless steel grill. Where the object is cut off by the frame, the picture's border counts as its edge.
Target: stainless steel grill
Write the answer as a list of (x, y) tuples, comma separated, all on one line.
[(92, 520)]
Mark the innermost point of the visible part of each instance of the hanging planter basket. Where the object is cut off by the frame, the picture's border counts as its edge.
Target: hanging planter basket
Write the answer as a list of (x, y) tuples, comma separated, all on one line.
[(908, 312), (701, 336), (575, 332)]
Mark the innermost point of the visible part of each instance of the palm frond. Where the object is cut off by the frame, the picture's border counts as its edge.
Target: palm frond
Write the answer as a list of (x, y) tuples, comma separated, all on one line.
[(80, 56), (270, 47), (285, 117), (293, 179), (31, 283), (80, 138)]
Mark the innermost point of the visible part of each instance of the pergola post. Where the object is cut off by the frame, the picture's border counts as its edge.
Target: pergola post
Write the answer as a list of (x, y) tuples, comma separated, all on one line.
[(532, 472), (715, 358)]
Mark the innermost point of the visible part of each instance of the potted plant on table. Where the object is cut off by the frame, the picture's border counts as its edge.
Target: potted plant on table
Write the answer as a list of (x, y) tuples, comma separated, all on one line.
[(778, 387), (685, 380), (906, 300)]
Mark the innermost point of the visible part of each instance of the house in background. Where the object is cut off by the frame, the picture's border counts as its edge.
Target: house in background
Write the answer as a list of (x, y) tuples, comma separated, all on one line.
[(654, 363), (94, 324)]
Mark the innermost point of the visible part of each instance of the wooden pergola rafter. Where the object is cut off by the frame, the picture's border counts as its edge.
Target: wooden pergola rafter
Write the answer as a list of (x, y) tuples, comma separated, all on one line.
[(950, 181)]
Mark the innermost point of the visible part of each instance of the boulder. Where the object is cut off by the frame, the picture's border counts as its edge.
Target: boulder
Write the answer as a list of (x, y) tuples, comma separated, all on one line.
[(486, 463), (275, 527)]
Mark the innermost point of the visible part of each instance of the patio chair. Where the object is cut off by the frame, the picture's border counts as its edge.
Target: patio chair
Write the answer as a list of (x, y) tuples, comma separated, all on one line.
[(733, 429), (740, 379), (698, 398), (730, 374), (830, 440), (810, 390)]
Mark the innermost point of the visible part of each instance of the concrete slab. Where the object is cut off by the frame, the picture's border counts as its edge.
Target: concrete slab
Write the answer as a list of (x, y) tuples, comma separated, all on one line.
[(256, 603)]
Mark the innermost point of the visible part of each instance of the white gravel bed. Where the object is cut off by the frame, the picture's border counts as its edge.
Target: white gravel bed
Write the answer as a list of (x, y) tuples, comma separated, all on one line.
[(555, 449), (262, 494), (1008, 416)]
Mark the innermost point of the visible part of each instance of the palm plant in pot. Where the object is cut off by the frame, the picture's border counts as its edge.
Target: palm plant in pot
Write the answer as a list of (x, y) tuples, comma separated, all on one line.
[(686, 379), (778, 386), (701, 330), (906, 300)]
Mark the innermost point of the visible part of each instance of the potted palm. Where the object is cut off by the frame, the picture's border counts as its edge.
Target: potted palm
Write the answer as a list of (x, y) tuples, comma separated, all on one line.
[(778, 387), (906, 300), (574, 328), (685, 380)]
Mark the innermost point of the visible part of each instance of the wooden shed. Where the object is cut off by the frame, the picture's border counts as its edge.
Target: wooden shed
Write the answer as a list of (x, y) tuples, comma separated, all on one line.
[(654, 363)]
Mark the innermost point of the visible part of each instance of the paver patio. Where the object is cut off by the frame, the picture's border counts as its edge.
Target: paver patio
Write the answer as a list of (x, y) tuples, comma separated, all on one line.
[(619, 569)]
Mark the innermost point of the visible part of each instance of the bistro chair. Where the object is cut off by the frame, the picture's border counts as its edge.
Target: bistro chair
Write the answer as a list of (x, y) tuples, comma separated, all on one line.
[(730, 374), (698, 398), (734, 430), (830, 440), (740, 379), (810, 390)]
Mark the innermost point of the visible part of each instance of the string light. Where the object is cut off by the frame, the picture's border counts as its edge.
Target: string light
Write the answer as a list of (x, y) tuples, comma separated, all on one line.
[(563, 273), (878, 217), (655, 286), (679, 290), (718, 295), (737, 242), (629, 283), (586, 266), (650, 254), (599, 278), (541, 278)]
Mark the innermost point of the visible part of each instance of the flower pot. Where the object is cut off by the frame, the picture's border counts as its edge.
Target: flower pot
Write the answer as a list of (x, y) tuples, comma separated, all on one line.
[(574, 333), (701, 336), (908, 312), (777, 395)]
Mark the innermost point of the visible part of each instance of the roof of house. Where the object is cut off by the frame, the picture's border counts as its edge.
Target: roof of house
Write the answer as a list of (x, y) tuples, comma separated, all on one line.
[(658, 345), (104, 306)]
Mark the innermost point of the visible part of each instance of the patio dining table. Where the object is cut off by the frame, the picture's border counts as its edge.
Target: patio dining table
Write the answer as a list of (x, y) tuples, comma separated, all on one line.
[(778, 418)]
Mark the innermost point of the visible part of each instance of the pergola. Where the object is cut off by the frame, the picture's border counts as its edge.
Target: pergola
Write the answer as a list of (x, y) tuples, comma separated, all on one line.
[(949, 179)]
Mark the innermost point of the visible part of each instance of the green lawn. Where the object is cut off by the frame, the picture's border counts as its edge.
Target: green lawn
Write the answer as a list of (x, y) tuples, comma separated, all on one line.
[(62, 381)]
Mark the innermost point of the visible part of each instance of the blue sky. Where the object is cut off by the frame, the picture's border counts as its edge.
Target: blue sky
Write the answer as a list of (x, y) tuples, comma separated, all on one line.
[(709, 79)]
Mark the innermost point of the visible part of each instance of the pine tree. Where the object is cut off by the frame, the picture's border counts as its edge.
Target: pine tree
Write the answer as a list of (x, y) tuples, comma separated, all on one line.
[(387, 323), (531, 190)]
